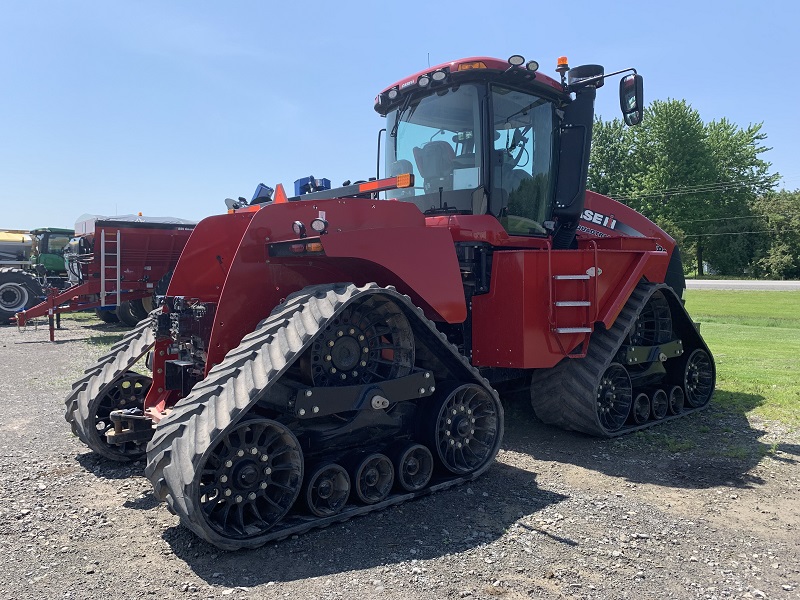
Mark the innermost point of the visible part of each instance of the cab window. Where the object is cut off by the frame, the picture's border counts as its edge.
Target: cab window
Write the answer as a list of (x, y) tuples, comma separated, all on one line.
[(522, 160)]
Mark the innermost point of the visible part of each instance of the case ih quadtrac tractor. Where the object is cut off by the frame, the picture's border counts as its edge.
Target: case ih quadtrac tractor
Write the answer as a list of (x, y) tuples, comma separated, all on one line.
[(337, 352)]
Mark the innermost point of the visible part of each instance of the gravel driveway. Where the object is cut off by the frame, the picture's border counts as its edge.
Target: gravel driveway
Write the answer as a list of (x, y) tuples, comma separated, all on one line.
[(704, 508)]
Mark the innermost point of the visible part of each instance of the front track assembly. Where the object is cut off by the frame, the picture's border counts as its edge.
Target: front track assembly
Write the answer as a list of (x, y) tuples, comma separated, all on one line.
[(650, 366), (111, 385), (344, 401)]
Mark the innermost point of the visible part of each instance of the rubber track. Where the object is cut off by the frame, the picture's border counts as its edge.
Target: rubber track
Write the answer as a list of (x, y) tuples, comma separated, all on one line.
[(564, 395), (232, 387), (110, 367)]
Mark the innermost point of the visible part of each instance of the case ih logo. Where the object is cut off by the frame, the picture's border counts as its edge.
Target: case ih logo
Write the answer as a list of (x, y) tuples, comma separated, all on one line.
[(599, 218)]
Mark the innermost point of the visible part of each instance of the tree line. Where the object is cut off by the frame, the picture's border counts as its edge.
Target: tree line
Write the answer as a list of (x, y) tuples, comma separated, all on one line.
[(706, 184)]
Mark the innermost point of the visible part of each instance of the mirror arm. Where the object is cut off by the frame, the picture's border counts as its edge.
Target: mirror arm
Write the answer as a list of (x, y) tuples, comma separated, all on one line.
[(590, 80)]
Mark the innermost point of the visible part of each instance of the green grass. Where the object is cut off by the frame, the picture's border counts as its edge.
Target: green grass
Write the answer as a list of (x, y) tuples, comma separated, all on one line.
[(755, 339), (107, 339)]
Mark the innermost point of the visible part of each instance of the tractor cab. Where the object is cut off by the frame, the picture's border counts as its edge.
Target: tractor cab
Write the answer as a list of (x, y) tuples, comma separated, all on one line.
[(49, 244), (485, 136)]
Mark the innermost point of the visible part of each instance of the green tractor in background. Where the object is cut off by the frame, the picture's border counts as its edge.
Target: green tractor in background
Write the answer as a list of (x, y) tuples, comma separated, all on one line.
[(30, 262)]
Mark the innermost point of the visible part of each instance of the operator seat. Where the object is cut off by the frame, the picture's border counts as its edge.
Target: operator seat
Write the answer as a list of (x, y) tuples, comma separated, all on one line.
[(435, 164)]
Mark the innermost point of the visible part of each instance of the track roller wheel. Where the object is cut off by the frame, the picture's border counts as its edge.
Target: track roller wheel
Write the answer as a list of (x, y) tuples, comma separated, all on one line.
[(373, 478), (641, 409), (327, 490), (660, 404), (371, 340), (414, 467), (249, 480), (468, 429), (125, 393), (614, 397), (698, 378), (676, 400)]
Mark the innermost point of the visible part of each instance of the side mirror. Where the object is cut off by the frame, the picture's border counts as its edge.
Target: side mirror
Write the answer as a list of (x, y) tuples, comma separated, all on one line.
[(631, 98)]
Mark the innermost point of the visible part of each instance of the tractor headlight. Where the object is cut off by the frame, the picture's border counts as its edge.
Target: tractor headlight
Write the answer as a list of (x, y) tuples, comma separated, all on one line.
[(299, 229), (319, 225)]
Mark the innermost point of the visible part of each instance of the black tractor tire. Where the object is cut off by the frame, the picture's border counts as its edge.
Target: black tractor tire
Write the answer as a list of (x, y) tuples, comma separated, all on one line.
[(128, 315), (107, 316), (19, 291), (141, 307)]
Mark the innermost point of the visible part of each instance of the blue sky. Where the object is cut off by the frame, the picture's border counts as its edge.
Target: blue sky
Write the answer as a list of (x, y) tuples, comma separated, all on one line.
[(170, 107)]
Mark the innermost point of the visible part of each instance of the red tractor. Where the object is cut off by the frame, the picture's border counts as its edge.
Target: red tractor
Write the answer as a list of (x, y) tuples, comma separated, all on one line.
[(337, 352)]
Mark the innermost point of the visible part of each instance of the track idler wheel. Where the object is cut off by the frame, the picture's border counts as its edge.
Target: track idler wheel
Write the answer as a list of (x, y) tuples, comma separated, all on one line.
[(660, 404), (327, 490), (614, 397), (641, 409), (698, 378), (414, 467), (676, 400), (249, 480), (373, 478), (127, 392), (468, 428)]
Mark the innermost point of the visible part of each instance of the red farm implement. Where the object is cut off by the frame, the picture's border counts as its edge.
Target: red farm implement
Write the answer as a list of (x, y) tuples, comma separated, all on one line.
[(116, 266)]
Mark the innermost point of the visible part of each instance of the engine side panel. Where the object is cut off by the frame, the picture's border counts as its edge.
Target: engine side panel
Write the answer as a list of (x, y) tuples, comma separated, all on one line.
[(513, 325)]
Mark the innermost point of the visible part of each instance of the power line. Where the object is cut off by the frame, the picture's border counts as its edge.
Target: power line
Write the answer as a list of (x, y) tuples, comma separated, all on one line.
[(716, 186), (788, 216), (731, 233)]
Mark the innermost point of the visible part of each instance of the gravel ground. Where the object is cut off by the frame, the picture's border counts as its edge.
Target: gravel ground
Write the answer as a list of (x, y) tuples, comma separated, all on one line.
[(703, 508)]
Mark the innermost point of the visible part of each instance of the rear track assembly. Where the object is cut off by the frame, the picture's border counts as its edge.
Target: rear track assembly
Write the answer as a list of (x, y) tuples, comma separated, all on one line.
[(595, 395)]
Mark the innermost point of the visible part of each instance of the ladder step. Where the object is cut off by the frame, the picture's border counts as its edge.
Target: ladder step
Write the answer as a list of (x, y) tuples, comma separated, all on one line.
[(573, 303), (567, 277), (573, 330)]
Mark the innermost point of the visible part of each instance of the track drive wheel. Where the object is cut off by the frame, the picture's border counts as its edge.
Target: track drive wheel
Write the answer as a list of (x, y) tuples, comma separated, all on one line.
[(247, 481), (653, 325), (373, 478), (698, 378), (614, 397), (326, 490), (414, 467), (371, 340), (126, 392), (468, 429)]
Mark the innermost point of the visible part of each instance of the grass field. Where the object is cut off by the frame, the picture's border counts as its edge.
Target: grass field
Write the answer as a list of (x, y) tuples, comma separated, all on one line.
[(755, 339)]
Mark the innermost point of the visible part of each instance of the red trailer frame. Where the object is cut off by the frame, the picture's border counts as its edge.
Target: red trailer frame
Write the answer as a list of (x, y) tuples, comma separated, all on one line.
[(126, 262)]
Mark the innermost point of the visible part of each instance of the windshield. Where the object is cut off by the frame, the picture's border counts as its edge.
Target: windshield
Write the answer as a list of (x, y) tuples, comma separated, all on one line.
[(438, 139), (522, 165)]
